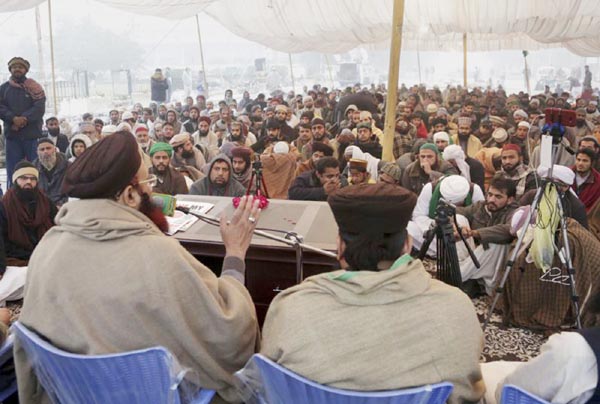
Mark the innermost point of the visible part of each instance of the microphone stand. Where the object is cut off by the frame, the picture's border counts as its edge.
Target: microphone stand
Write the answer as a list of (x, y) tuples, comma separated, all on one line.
[(292, 239)]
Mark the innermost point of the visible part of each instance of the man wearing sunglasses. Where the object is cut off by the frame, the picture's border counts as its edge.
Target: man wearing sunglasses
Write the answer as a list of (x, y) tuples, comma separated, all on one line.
[(124, 285)]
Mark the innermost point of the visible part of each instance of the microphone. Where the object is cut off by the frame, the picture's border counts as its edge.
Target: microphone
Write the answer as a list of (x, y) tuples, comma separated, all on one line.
[(165, 202)]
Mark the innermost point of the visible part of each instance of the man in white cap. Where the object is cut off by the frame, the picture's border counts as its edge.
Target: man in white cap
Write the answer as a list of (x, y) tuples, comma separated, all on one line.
[(129, 118), (279, 169), (564, 178), (309, 106), (524, 139), (592, 111), (454, 189), (468, 167), (469, 143), (441, 140)]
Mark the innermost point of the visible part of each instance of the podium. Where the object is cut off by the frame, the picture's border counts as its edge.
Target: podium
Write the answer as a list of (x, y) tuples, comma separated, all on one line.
[(270, 265)]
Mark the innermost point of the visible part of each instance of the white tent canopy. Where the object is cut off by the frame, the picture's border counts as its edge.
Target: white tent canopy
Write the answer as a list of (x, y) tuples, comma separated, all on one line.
[(336, 26)]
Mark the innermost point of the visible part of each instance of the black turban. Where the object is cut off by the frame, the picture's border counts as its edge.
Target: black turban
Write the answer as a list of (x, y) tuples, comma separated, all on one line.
[(104, 169), (372, 208)]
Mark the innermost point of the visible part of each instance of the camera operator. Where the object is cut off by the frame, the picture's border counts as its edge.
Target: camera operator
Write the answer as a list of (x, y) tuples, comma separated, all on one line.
[(454, 189), (489, 226)]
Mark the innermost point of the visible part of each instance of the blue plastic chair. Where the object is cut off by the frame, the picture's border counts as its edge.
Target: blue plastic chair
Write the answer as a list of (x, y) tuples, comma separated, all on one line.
[(8, 378), (515, 395), (280, 385), (143, 376)]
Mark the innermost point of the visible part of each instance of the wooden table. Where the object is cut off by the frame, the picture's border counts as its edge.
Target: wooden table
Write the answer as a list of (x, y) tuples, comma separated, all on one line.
[(270, 265)]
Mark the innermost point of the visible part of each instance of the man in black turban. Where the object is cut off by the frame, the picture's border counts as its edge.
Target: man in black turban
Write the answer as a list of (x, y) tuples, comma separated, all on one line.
[(105, 279), (381, 322)]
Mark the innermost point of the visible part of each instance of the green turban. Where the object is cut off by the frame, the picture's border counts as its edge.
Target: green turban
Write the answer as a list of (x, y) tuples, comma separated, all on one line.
[(161, 146), (429, 146)]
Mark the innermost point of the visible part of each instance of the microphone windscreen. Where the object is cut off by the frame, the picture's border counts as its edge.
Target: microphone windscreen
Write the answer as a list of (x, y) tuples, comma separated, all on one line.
[(166, 202)]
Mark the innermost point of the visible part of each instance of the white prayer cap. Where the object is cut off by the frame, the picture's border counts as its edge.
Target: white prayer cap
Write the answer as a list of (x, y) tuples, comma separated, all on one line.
[(355, 152), (127, 115), (559, 173), (432, 108), (124, 126), (525, 124), (500, 135), (109, 129), (307, 98), (455, 188), (453, 152), (441, 136), (281, 148), (521, 113)]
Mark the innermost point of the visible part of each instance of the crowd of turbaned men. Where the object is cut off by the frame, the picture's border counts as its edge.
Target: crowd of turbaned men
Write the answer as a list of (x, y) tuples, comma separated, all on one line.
[(83, 244)]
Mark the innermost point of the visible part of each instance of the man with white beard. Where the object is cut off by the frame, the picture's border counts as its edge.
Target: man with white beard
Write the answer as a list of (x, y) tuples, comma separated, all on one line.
[(51, 165)]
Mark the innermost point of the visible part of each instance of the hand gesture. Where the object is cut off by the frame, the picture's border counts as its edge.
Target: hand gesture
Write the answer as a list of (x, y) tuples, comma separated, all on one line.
[(331, 186), (426, 167), (237, 231)]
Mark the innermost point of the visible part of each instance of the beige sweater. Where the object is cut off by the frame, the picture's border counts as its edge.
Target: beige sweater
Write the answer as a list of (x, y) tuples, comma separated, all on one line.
[(377, 331), (106, 280)]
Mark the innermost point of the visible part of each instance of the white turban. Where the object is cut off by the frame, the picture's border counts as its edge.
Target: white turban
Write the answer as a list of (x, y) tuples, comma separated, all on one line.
[(559, 173), (500, 135), (109, 129), (455, 188), (456, 153), (354, 152), (124, 126), (307, 98), (441, 136), (524, 124), (521, 113), (281, 148)]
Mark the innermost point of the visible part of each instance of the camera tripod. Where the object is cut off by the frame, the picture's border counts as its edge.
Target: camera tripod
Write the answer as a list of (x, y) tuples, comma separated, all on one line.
[(257, 179), (564, 254), (447, 264)]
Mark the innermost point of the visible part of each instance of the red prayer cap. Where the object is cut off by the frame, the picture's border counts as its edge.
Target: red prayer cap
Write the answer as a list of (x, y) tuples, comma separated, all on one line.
[(511, 146)]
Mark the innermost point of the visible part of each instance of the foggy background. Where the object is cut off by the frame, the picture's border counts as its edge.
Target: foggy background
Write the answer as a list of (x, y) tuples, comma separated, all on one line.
[(105, 56)]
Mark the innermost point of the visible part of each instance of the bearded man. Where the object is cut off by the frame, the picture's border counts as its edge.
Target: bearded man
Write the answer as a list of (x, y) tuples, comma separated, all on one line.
[(168, 180), (53, 127), (404, 136), (22, 107), (523, 177), (219, 181), (52, 166), (186, 158), (426, 168), (587, 179), (241, 165), (469, 143), (113, 226), (206, 140), (26, 214)]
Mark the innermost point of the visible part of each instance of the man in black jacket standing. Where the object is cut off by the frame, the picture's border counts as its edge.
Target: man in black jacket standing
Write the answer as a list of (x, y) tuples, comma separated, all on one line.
[(22, 107)]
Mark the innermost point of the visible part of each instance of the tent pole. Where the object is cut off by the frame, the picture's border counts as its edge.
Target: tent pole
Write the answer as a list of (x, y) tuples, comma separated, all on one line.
[(292, 73), (202, 57), (52, 56), (419, 60), (525, 53), (329, 69), (38, 29), (392, 93), (465, 59)]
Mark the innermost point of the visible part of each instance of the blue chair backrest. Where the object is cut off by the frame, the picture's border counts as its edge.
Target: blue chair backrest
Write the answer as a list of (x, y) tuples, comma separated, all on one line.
[(8, 379), (515, 395), (283, 386), (143, 376)]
